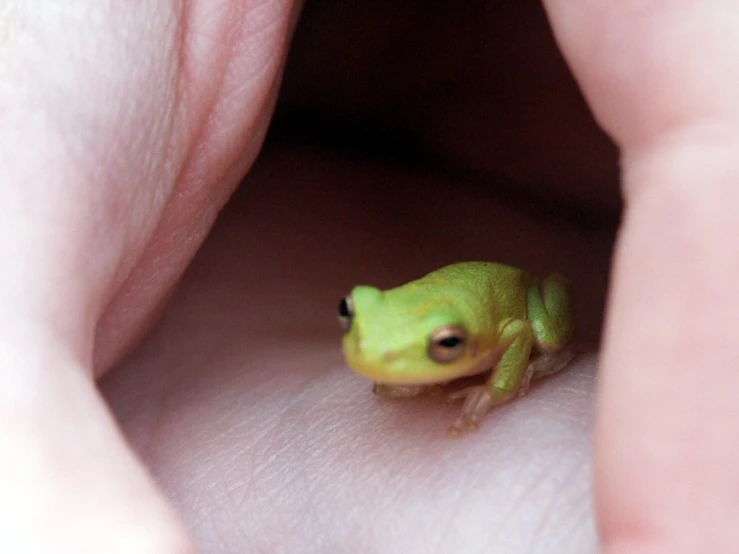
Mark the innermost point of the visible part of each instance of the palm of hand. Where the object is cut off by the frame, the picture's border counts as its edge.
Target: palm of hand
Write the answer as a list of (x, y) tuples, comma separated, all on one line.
[(240, 403)]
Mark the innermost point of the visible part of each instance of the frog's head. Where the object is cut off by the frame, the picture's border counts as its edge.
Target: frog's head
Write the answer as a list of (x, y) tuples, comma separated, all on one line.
[(401, 336)]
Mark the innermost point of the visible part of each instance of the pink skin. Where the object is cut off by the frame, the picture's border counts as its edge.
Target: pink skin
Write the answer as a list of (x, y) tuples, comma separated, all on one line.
[(661, 79), (124, 131)]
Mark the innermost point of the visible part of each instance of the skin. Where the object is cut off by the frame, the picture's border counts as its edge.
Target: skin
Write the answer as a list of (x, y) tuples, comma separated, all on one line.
[(253, 422), (496, 316), (124, 131)]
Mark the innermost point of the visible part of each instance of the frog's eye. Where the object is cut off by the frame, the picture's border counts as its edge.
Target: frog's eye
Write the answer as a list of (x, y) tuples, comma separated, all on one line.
[(346, 313), (447, 343)]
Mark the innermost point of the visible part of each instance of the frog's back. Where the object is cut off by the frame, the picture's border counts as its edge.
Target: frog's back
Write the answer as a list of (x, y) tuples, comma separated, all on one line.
[(502, 285), (478, 271)]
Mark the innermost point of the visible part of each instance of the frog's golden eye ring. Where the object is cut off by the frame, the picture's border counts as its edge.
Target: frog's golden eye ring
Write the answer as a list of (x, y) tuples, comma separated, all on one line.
[(447, 343), (346, 313)]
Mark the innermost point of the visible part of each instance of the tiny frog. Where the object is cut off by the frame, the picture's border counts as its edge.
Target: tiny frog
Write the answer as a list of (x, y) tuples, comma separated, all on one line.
[(462, 320)]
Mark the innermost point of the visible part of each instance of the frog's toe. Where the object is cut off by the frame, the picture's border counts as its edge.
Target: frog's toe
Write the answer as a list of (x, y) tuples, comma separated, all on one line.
[(477, 402), (545, 364), (459, 429)]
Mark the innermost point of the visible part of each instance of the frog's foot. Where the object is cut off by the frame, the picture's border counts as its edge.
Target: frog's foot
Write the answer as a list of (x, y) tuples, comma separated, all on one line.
[(545, 364), (477, 402), (402, 391)]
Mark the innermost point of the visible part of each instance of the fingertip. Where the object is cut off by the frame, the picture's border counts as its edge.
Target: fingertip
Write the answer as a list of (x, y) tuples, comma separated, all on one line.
[(646, 68)]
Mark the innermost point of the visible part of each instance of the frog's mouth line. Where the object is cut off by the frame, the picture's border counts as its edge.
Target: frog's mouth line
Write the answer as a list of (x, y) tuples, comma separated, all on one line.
[(440, 374)]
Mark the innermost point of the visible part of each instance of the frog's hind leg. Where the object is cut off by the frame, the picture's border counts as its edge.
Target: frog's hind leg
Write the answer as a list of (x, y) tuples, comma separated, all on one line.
[(550, 313), (546, 330), (549, 309)]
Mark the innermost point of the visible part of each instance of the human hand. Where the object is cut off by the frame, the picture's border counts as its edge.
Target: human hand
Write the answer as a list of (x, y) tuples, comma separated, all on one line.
[(240, 401), (125, 126), (173, 406)]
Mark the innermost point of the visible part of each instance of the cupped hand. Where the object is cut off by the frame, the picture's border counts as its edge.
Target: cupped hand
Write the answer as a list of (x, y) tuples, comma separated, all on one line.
[(125, 126), (408, 137)]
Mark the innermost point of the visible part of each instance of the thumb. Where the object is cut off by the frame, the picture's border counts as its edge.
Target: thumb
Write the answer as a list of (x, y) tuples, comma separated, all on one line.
[(661, 79)]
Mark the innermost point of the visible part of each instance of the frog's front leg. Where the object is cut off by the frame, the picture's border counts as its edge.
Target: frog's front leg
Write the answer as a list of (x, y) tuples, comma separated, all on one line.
[(505, 381)]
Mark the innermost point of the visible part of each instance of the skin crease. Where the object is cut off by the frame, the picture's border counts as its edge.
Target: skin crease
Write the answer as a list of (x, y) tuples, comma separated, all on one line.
[(238, 402)]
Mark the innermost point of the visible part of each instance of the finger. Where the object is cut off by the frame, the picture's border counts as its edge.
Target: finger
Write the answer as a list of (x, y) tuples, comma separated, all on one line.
[(95, 151), (229, 67), (133, 125), (70, 483), (660, 78)]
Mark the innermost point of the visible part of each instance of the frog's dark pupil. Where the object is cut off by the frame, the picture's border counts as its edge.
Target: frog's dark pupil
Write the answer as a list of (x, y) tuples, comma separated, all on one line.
[(344, 308), (450, 342)]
